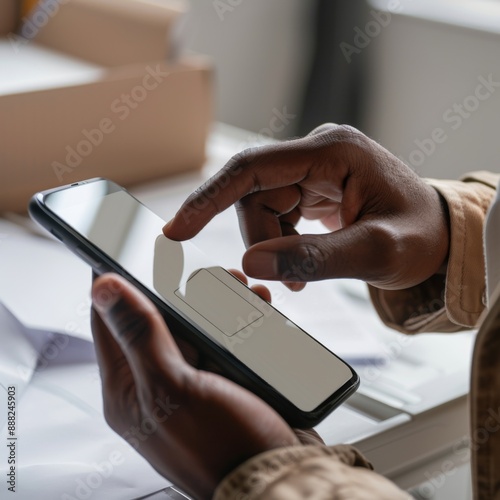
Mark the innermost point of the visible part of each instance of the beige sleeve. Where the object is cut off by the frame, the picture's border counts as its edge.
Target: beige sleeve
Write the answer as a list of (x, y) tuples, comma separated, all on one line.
[(455, 301), (319, 472)]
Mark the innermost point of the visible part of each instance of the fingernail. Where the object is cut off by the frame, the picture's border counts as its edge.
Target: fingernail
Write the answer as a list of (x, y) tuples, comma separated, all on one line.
[(261, 265), (104, 297)]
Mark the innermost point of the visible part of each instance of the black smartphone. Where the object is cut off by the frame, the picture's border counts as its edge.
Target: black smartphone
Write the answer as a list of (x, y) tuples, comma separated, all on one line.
[(252, 342)]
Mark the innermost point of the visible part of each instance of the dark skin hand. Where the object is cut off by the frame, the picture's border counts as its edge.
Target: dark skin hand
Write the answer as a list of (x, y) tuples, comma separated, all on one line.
[(387, 226), (194, 426)]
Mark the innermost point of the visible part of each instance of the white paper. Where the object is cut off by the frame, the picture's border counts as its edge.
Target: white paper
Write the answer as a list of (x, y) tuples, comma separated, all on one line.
[(63, 447), (44, 285), (66, 449), (18, 358)]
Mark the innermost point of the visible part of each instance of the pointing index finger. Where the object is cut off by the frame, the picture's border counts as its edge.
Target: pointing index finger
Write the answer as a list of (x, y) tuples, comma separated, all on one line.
[(252, 170)]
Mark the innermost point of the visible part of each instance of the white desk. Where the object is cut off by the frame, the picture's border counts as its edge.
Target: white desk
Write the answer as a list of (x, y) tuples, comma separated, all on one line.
[(409, 415)]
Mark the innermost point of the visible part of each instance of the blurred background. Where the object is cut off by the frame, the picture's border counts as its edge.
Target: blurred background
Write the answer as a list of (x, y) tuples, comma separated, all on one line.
[(397, 69), (421, 77)]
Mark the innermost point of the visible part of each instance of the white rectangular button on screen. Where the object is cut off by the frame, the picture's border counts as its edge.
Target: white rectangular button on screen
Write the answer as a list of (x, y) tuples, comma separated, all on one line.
[(219, 304)]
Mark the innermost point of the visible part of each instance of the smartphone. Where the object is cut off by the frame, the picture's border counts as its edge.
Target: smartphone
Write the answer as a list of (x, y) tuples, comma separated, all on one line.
[(252, 342)]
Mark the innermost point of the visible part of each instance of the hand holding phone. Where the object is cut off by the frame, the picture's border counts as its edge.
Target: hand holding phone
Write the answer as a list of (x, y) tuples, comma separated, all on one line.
[(149, 389)]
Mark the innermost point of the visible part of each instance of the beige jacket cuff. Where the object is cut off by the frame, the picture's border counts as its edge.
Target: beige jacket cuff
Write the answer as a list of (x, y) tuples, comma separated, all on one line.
[(251, 479), (455, 301)]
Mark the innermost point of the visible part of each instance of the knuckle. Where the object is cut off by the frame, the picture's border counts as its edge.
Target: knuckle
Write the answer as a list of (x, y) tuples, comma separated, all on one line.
[(324, 127), (339, 134), (347, 132)]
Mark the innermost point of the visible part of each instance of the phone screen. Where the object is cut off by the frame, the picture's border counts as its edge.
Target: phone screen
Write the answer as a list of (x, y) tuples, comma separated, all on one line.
[(207, 296)]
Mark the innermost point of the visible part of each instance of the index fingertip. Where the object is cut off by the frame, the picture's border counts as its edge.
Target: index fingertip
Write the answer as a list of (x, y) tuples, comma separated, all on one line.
[(167, 228), (180, 228), (173, 232)]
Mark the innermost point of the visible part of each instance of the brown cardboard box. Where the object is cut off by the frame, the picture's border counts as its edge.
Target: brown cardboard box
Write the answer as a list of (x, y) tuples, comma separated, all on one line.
[(145, 118)]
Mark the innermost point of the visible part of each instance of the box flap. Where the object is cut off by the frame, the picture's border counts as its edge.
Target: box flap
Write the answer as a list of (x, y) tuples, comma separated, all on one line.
[(109, 32), (152, 10), (147, 121), (188, 62)]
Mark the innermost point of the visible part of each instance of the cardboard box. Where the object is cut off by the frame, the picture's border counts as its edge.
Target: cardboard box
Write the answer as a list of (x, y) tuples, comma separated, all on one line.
[(141, 119)]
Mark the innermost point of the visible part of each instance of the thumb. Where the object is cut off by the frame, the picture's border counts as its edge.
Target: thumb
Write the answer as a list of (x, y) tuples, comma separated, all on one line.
[(361, 251), (138, 327)]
